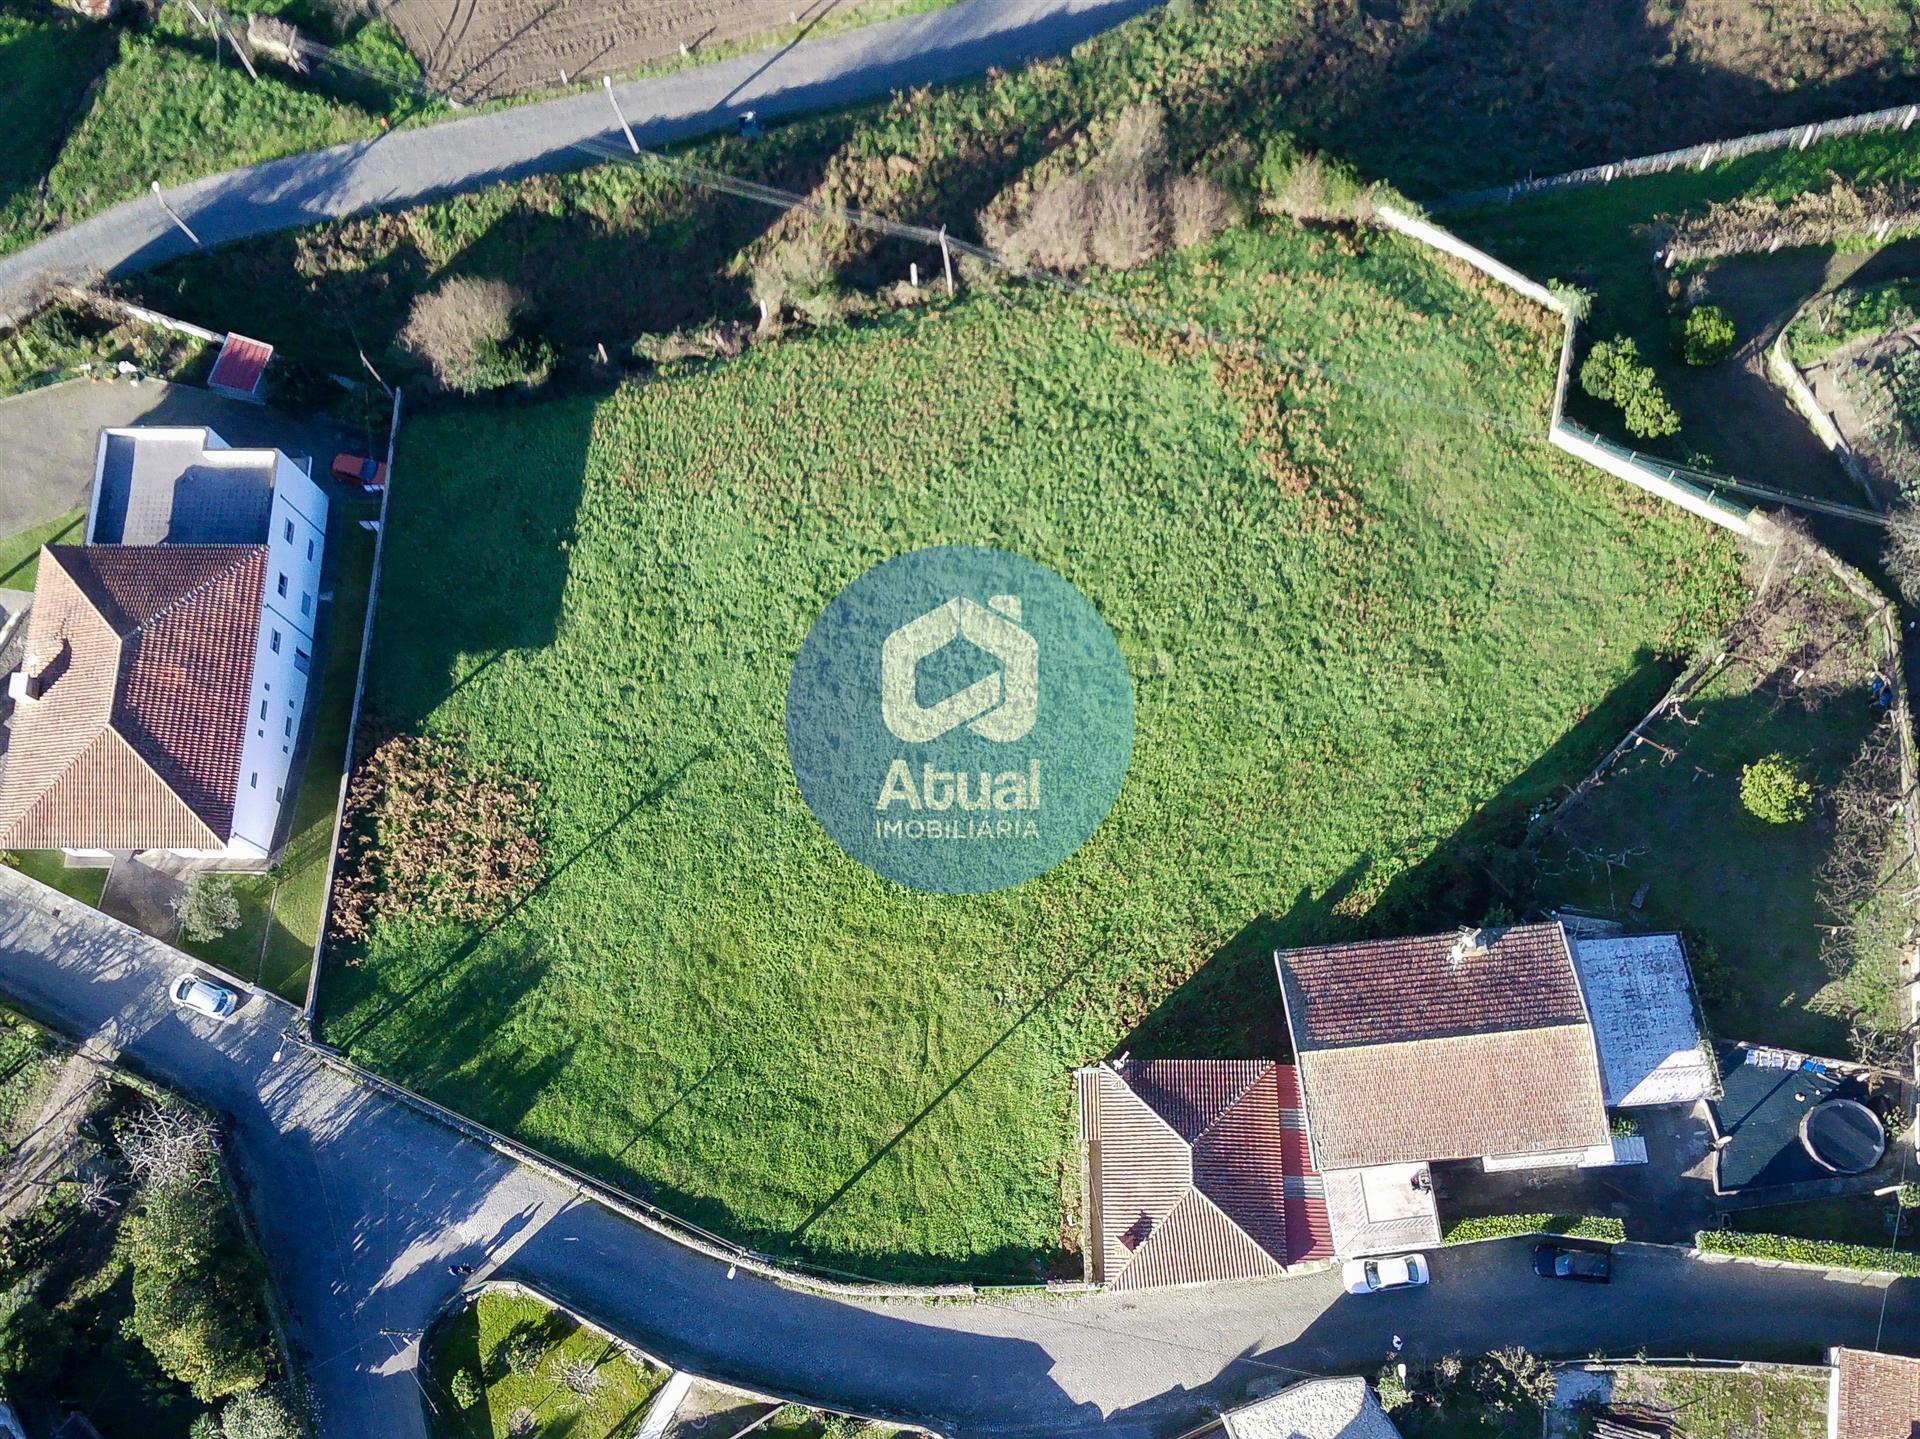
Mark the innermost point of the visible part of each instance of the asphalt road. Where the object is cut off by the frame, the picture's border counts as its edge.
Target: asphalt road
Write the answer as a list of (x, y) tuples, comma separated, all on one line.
[(363, 1205), (409, 165)]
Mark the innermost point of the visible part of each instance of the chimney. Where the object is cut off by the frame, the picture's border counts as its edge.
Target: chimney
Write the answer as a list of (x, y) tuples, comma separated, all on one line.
[(23, 685), (1466, 942)]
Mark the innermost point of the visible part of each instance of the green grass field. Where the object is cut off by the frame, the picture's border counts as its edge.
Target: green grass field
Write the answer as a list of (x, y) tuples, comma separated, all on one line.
[(1362, 632), (476, 1342), (1772, 1404)]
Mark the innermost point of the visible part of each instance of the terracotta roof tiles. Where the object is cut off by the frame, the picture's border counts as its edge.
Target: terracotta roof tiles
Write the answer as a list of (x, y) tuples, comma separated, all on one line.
[(145, 655)]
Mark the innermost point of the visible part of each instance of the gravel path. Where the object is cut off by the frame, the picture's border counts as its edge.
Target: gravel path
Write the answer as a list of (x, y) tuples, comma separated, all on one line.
[(410, 165)]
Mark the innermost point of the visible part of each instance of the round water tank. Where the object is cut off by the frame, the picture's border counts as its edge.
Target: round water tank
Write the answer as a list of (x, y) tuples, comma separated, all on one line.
[(1843, 1135)]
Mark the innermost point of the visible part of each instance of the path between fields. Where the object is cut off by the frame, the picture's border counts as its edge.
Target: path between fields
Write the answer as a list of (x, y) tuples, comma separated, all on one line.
[(410, 165), (363, 1204)]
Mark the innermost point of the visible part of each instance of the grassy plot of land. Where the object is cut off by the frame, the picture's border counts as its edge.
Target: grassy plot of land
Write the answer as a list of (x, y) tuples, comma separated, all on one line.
[(509, 1364), (1665, 841), (1865, 1220), (1769, 1404), (20, 553), (280, 910), (1353, 624)]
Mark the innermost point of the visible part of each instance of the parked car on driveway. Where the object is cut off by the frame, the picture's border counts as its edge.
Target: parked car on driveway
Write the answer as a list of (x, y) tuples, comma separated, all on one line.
[(1570, 1261), (1375, 1276), (362, 470), (204, 996)]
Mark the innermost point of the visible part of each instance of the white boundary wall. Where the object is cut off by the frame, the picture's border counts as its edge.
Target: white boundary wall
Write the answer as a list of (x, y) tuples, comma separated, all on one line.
[(1900, 117), (1636, 470)]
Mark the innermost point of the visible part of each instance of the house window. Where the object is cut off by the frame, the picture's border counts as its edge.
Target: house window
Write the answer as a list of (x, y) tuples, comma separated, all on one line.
[(263, 709), (306, 604), (279, 794), (281, 587), (289, 531), (253, 780), (287, 729), (274, 643), (309, 549), (301, 659)]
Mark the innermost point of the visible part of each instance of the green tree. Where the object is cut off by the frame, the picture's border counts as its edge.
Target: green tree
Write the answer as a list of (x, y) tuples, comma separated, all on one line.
[(31, 1341), (258, 1414), (196, 1292), (209, 908), (1774, 791), (1706, 335), (1613, 372)]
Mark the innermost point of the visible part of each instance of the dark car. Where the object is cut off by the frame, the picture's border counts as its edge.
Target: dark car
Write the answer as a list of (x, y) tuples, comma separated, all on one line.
[(1564, 1261)]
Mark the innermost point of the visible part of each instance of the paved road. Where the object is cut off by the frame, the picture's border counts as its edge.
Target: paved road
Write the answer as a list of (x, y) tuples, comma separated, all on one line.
[(410, 165), (364, 1204)]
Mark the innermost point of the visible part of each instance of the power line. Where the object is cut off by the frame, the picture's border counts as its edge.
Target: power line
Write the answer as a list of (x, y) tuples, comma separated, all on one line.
[(607, 151)]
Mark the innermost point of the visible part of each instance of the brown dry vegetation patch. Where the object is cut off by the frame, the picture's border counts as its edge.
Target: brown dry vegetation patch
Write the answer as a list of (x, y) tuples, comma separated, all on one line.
[(432, 833)]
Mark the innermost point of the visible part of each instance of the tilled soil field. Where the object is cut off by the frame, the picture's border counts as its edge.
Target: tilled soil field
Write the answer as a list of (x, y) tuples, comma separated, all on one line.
[(483, 49)]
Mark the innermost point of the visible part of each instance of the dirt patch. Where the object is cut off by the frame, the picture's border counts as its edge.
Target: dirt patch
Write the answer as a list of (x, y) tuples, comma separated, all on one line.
[(483, 49)]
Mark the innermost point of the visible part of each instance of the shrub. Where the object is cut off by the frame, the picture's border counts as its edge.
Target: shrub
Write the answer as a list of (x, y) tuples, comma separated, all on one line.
[(1506, 1226), (464, 1388), (209, 908), (1614, 372), (1197, 210), (1713, 978), (1774, 791), (578, 1375), (466, 334), (258, 1414), (1909, 1195), (1391, 1389), (1901, 553), (1706, 335), (433, 833), (522, 1353), (1822, 1252), (796, 272), (1305, 186)]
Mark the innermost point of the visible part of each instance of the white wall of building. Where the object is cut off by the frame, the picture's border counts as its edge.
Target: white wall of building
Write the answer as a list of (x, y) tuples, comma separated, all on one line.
[(283, 658)]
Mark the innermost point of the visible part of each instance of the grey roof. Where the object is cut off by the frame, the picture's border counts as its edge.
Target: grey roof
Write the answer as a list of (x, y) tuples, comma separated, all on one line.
[(1316, 1409), (165, 487)]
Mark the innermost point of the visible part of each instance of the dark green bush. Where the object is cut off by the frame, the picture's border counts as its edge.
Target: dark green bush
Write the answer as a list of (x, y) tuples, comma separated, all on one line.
[(1614, 372)]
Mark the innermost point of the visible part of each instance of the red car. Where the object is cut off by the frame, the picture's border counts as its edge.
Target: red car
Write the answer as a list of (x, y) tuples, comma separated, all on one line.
[(362, 470)]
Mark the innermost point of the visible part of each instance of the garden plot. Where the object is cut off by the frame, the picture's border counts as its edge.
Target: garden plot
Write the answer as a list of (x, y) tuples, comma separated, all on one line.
[(1752, 816), (1364, 633), (1859, 348)]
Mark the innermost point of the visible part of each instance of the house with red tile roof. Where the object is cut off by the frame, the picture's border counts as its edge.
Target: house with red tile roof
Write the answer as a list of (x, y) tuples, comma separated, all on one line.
[(167, 660), (1473, 1046), (1872, 1396), (1195, 1170)]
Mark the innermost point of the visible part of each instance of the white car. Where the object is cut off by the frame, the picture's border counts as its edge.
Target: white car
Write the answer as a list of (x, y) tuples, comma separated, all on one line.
[(203, 996), (1374, 1276)]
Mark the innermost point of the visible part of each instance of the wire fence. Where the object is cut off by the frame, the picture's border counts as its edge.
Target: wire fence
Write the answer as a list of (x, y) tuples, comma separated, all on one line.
[(1899, 117)]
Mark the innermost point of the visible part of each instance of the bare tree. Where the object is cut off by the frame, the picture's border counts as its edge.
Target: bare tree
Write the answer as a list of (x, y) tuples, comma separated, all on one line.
[(168, 1144)]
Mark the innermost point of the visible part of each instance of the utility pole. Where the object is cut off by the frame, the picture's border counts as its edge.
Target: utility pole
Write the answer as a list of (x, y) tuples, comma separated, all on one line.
[(174, 215), (625, 128), (946, 259)]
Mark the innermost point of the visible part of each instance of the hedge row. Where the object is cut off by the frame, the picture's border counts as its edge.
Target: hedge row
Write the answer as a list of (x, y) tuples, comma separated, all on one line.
[(1505, 1226), (1823, 1252)]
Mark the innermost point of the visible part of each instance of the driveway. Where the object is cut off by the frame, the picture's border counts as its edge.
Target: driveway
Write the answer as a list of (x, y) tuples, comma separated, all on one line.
[(410, 165), (50, 436), (363, 1204)]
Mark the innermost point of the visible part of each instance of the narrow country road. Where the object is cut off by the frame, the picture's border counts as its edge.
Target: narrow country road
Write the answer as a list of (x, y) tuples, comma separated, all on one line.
[(363, 1203), (409, 165)]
